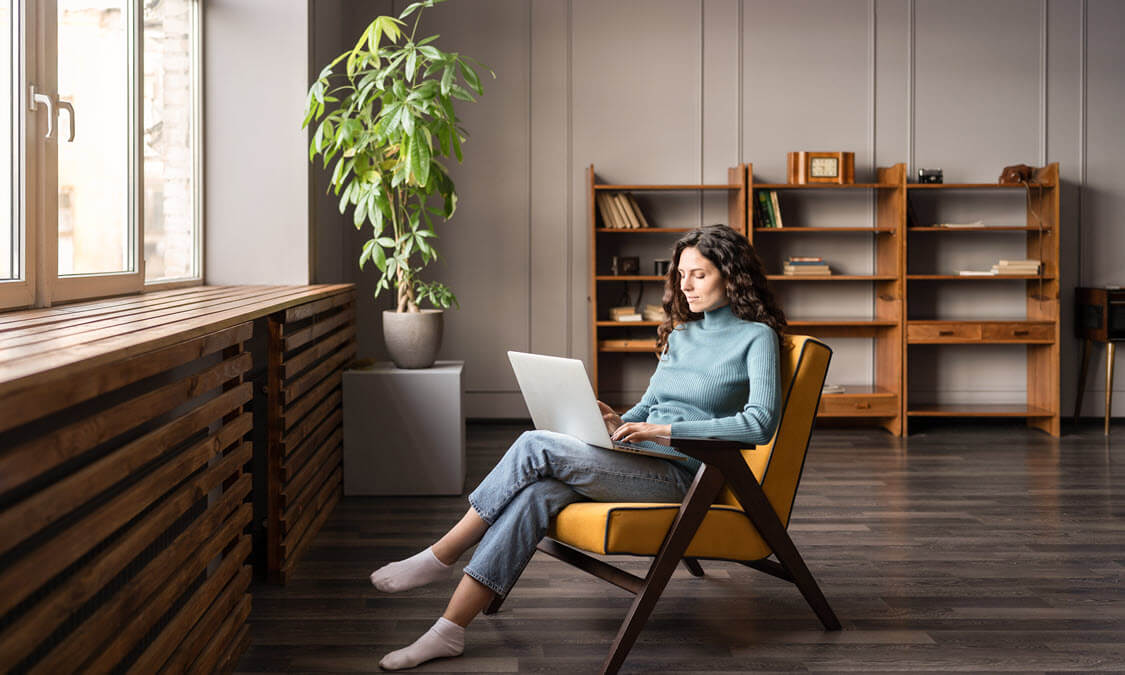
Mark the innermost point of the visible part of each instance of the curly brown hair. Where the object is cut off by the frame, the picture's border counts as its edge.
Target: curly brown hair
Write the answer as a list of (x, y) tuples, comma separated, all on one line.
[(744, 275)]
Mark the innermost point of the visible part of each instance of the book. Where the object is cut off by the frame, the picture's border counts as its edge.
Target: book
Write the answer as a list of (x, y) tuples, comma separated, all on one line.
[(799, 258), (832, 389), (807, 271), (654, 313), (618, 311), (607, 212), (976, 273), (628, 318), (767, 218), (637, 210), (626, 211), (776, 209)]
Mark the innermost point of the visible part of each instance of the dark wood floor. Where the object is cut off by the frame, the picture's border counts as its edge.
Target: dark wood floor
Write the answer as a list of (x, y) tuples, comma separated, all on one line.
[(963, 548)]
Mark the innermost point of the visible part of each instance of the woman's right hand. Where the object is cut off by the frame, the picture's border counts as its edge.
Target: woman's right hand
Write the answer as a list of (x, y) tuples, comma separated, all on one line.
[(612, 419)]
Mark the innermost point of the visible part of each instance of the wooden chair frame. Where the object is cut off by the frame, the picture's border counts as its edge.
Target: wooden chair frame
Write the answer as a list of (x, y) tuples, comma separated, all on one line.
[(722, 463)]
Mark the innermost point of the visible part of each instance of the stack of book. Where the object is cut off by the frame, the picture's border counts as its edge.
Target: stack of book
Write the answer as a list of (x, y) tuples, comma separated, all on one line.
[(1020, 268), (767, 209), (619, 211), (806, 267), (626, 313), (654, 313)]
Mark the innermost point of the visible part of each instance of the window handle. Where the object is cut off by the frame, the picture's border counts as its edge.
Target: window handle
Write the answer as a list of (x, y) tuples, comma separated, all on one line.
[(33, 104), (66, 105)]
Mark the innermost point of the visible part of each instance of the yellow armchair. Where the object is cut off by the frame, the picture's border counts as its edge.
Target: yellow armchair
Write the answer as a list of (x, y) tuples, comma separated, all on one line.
[(737, 509)]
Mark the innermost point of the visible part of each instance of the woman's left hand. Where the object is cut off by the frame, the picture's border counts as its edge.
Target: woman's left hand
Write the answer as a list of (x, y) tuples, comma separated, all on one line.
[(635, 432)]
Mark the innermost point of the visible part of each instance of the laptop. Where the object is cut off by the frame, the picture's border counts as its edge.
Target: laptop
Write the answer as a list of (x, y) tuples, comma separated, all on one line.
[(559, 397)]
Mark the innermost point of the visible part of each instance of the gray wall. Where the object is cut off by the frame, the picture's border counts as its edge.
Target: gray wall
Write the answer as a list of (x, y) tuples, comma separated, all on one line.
[(671, 91), (256, 175)]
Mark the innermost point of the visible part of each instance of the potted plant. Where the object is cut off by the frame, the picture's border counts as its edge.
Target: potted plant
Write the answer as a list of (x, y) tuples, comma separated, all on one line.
[(387, 120)]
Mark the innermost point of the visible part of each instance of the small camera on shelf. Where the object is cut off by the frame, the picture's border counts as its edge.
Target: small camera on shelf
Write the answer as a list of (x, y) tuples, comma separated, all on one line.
[(930, 176)]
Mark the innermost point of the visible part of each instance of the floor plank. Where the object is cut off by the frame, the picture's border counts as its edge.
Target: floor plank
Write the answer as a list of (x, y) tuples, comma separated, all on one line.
[(982, 547)]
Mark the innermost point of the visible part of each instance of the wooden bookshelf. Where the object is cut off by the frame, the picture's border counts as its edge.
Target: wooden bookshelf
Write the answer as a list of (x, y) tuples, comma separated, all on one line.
[(884, 400), (622, 341), (880, 400), (1039, 331)]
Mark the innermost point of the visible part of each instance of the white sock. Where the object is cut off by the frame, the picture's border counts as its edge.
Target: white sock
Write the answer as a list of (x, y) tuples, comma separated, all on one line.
[(417, 570), (444, 638)]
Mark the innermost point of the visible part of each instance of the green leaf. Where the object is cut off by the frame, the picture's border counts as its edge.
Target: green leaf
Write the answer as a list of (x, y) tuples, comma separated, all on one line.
[(360, 213), (429, 52), (380, 258), (422, 152), (457, 145), (386, 242), (411, 61), (410, 9), (366, 254), (470, 76), (446, 79)]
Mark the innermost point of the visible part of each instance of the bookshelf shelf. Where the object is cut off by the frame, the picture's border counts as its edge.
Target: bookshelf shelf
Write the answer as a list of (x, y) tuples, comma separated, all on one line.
[(664, 188), (643, 230), (983, 228), (620, 324), (635, 277), (827, 186), (975, 186), (980, 410), (842, 323), (832, 230), (833, 277), (976, 277)]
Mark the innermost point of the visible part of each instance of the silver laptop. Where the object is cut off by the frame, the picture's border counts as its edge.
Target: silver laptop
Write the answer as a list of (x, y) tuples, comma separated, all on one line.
[(559, 397)]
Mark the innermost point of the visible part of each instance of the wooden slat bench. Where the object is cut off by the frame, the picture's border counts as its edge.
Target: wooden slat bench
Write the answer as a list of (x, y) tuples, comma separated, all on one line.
[(126, 446)]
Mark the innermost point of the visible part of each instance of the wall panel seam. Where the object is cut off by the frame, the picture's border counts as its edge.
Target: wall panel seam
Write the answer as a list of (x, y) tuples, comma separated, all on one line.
[(530, 176), (570, 180), (910, 38), (1042, 83), (1082, 114)]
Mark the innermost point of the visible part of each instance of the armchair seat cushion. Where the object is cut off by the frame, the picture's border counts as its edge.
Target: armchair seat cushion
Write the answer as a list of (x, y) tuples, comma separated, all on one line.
[(611, 528)]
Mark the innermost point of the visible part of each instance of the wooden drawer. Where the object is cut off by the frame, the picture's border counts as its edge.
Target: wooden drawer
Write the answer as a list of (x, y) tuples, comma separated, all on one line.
[(1018, 331), (843, 405), (938, 332)]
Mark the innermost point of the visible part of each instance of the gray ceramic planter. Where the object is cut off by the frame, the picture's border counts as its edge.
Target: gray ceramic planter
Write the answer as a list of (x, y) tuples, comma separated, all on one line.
[(413, 338)]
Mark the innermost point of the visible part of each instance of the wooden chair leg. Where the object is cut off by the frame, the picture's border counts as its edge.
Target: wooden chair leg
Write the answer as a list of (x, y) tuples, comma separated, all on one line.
[(699, 498), (1082, 379), (765, 520), (693, 566), (494, 606)]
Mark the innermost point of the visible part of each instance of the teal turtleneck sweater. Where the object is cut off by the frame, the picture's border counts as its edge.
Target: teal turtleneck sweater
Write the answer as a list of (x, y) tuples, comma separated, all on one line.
[(718, 378)]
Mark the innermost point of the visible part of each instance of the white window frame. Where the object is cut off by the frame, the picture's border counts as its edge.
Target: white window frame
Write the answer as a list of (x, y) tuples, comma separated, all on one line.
[(35, 162)]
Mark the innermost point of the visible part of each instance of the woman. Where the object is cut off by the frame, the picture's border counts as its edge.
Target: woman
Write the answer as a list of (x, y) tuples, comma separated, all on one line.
[(717, 377)]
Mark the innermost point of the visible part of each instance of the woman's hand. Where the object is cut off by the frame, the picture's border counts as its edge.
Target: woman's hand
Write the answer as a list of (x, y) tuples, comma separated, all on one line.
[(611, 418), (635, 432)]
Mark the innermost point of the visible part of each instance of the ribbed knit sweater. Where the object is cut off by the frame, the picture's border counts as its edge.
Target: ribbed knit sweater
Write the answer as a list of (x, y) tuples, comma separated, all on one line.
[(718, 378)]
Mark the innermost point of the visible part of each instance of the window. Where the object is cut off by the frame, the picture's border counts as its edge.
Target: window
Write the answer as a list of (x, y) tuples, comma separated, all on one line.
[(103, 120)]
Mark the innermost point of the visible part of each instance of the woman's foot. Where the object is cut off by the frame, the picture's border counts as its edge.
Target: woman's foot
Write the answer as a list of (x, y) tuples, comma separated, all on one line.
[(418, 570), (444, 638)]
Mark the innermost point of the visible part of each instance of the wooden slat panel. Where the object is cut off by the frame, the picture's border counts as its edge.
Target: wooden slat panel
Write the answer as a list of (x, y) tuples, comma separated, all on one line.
[(176, 632), (38, 401), (294, 462), (192, 646), (308, 309), (275, 431), (57, 606), (305, 335), (294, 539), (48, 505), (39, 455), (298, 436), (297, 502), (132, 612), (331, 365), (292, 415), (227, 633), (22, 577), (321, 349), (57, 366), (238, 646), (295, 553), (303, 473)]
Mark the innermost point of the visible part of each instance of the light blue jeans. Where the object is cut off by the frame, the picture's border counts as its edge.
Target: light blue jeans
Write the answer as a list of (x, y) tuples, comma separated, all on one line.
[(541, 474)]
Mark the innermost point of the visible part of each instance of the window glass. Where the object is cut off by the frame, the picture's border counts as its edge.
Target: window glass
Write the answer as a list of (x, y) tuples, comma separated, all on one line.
[(169, 141)]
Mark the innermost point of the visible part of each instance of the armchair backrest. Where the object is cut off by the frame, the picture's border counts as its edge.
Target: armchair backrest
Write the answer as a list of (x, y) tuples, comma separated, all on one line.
[(778, 464)]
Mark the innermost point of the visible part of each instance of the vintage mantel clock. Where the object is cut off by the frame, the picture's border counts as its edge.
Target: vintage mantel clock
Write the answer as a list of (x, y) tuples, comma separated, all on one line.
[(821, 167)]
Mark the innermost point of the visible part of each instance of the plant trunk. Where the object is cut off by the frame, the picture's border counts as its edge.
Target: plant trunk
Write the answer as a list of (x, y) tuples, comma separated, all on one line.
[(406, 301)]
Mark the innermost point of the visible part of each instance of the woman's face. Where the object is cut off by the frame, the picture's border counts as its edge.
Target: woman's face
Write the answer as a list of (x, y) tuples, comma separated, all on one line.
[(701, 282)]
